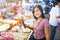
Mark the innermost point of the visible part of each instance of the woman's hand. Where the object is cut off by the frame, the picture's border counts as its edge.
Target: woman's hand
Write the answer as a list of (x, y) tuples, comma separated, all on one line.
[(26, 25)]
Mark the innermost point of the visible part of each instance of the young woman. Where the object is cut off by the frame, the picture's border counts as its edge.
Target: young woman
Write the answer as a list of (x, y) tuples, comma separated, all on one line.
[(41, 25)]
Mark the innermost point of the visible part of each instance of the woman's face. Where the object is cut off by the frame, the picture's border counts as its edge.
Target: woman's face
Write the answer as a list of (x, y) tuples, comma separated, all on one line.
[(37, 12), (59, 3)]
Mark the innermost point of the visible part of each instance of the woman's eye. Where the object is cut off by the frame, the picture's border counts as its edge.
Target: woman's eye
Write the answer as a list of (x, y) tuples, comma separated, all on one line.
[(36, 10)]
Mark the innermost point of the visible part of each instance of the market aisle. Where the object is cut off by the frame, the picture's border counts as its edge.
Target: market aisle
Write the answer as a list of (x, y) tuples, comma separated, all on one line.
[(57, 37)]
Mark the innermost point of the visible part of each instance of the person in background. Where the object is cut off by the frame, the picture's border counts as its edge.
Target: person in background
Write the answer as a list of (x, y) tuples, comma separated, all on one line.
[(47, 9), (53, 20), (11, 7), (41, 25), (18, 10), (53, 5), (4, 13)]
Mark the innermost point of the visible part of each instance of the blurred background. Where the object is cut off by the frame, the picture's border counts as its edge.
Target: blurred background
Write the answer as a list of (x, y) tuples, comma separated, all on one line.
[(26, 6)]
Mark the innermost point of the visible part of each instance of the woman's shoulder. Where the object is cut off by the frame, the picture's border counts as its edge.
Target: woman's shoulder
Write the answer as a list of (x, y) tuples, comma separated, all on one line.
[(45, 20)]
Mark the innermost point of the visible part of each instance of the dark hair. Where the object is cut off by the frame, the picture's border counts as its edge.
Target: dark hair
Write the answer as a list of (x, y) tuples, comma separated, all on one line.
[(40, 8), (57, 1)]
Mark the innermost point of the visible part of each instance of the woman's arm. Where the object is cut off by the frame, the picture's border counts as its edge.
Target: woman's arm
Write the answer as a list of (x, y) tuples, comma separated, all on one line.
[(58, 16), (47, 32)]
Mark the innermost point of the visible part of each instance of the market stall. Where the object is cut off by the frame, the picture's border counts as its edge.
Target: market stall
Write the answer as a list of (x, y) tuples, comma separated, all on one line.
[(11, 25), (19, 33)]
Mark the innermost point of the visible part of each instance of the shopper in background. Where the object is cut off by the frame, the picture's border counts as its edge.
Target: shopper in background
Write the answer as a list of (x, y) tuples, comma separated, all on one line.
[(41, 25), (17, 15), (18, 9), (4, 13), (11, 7), (54, 16), (47, 9)]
